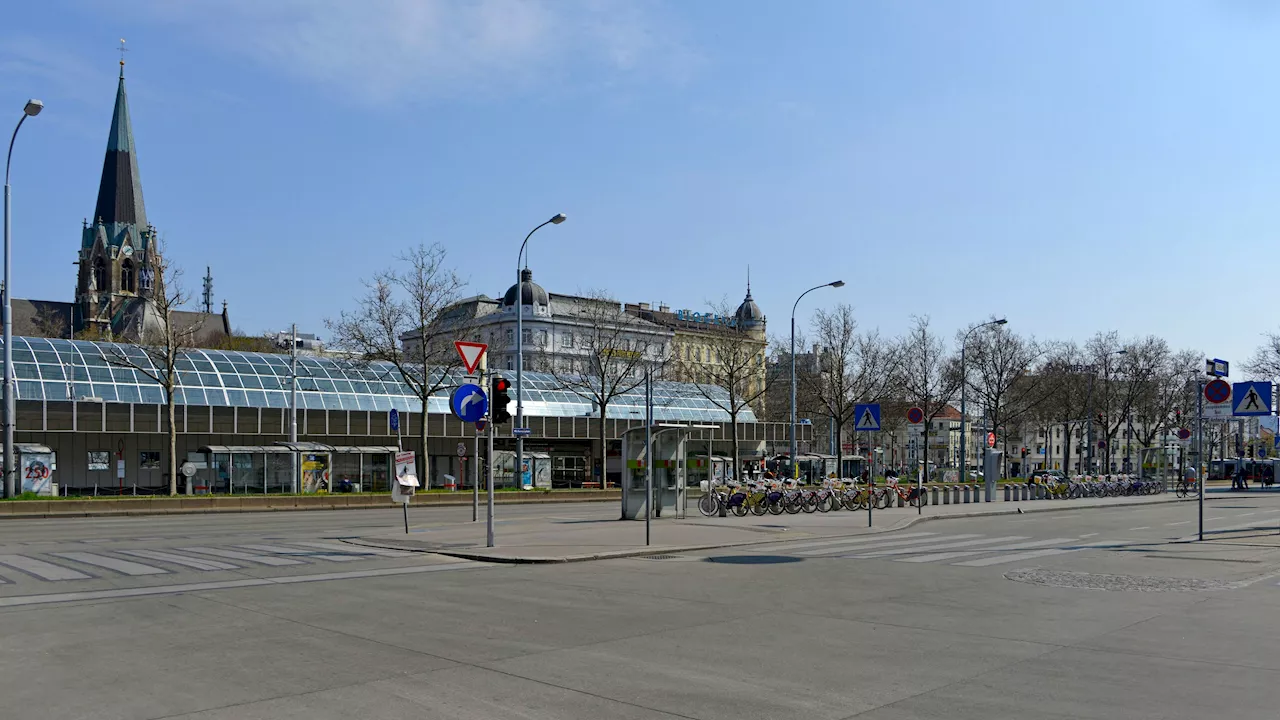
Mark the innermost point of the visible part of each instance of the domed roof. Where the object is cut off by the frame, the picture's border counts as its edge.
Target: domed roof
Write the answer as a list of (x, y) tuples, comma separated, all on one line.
[(748, 313), (531, 293)]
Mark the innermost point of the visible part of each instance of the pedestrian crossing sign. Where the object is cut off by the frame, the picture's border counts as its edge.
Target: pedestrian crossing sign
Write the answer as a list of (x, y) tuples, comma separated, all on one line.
[(866, 418), (1251, 398)]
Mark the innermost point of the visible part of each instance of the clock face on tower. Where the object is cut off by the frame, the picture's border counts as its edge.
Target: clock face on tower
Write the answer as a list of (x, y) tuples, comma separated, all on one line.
[(128, 250)]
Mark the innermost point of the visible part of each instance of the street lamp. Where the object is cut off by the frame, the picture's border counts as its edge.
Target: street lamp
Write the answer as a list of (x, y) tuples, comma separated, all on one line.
[(1088, 411), (964, 385), (795, 465), (518, 470), (32, 108)]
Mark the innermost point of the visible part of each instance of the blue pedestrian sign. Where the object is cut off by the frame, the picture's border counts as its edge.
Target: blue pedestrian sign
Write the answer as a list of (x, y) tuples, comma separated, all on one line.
[(1251, 398), (393, 418), (469, 403), (866, 418)]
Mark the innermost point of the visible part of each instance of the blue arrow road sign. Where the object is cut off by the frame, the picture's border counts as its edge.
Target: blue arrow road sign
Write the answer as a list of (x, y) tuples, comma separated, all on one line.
[(469, 403), (866, 418), (394, 418), (1251, 398)]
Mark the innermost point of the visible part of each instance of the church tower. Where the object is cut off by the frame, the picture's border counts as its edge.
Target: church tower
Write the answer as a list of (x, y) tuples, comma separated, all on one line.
[(119, 258)]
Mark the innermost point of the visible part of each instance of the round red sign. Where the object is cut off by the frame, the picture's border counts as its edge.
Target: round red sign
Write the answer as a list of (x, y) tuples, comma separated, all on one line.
[(1217, 391), (1184, 434), (991, 439), (915, 416)]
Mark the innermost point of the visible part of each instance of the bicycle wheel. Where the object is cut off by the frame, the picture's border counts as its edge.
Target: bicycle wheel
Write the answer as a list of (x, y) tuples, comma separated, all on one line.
[(740, 509), (810, 503), (760, 506), (708, 504), (883, 498), (794, 504)]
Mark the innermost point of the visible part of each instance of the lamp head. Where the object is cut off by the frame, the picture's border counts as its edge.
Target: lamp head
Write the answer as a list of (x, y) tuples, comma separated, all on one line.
[(1002, 321), (33, 107), (838, 283), (559, 218)]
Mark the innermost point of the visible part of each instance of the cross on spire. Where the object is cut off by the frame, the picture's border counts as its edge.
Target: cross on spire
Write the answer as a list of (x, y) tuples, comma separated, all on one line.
[(122, 50)]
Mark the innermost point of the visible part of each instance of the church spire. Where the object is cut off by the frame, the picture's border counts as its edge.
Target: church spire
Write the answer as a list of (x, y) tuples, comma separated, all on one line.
[(120, 191)]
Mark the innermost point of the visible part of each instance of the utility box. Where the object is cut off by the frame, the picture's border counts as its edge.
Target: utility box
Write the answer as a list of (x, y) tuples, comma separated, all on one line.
[(991, 471)]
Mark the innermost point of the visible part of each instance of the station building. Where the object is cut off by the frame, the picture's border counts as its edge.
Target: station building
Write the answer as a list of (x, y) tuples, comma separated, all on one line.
[(104, 424)]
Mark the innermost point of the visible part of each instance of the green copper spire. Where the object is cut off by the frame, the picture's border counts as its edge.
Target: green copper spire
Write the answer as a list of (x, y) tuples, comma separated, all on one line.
[(120, 192)]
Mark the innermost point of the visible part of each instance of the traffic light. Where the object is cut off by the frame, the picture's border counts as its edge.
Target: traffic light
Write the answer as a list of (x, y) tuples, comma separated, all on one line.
[(1101, 420), (498, 400)]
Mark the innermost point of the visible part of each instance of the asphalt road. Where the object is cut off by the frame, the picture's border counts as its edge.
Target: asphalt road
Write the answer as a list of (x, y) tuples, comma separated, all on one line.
[(1093, 614)]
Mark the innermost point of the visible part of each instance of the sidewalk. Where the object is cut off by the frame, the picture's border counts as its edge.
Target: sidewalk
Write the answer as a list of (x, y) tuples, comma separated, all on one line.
[(601, 535)]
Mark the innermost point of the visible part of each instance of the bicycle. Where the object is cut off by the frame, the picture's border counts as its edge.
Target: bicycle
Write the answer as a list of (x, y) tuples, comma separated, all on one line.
[(892, 488), (1186, 488)]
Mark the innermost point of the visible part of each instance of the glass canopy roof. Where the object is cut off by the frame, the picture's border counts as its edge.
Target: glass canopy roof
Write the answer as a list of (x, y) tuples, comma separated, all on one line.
[(62, 370)]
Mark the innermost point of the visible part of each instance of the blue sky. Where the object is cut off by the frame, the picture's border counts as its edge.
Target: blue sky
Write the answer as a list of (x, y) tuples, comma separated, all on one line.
[(1075, 166)]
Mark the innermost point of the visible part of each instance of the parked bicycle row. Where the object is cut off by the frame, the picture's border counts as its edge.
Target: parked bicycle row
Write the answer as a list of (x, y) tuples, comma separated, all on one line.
[(1057, 487), (779, 496)]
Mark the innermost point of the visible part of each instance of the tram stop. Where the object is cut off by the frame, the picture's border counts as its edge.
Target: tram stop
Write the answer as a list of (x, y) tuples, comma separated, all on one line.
[(669, 465)]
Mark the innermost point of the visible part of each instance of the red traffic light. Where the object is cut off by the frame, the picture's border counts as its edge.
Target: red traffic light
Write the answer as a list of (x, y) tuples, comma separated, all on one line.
[(498, 400)]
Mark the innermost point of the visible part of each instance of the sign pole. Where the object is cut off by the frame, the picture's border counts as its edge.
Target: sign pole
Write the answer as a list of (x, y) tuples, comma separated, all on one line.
[(1200, 476), (475, 469), (871, 476), (489, 473)]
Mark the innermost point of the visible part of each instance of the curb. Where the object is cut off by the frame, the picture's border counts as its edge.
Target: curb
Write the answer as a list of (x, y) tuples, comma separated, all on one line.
[(641, 552)]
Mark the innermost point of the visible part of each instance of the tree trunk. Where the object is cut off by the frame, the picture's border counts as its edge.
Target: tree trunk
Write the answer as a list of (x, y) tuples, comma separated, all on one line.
[(735, 463), (1066, 449), (604, 452), (839, 449), (173, 444), (422, 448)]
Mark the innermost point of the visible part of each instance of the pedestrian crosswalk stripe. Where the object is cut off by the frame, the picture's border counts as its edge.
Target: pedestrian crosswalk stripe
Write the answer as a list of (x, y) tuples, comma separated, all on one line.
[(879, 537), (197, 563), (247, 557), (281, 550), (888, 543), (338, 546), (967, 553), (41, 569), (125, 567), (943, 546), (998, 560)]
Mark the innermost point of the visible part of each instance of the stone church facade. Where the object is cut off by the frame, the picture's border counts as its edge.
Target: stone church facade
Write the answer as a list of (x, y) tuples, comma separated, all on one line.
[(120, 267)]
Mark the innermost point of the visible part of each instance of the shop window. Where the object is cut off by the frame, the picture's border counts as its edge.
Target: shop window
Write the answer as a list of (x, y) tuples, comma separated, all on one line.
[(99, 460), (149, 460)]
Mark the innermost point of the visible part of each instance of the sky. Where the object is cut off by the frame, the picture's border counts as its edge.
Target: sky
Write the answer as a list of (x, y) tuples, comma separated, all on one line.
[(1075, 167)]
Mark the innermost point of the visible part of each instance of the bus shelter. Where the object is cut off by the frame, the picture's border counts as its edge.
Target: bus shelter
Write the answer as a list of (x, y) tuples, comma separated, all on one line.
[(667, 462)]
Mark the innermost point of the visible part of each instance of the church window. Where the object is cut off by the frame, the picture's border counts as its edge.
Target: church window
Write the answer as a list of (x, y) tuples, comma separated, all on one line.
[(127, 277), (100, 275)]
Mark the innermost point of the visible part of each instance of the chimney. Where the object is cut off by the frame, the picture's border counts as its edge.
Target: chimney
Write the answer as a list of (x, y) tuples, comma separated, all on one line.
[(663, 307)]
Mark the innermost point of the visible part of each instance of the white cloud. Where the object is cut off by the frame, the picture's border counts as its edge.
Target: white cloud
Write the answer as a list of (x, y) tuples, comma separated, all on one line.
[(383, 49)]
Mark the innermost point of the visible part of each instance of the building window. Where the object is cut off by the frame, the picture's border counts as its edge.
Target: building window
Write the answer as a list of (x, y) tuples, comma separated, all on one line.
[(127, 277), (99, 460), (566, 340), (511, 337), (542, 338), (527, 335), (100, 275)]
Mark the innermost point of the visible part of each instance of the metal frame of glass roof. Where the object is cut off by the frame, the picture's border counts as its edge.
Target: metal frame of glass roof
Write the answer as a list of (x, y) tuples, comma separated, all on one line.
[(60, 370)]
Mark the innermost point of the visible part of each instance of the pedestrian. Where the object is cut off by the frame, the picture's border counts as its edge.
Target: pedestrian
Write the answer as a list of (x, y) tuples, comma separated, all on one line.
[(1237, 478)]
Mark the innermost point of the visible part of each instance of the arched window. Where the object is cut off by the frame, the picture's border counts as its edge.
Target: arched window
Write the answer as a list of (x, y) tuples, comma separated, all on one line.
[(100, 275), (127, 277)]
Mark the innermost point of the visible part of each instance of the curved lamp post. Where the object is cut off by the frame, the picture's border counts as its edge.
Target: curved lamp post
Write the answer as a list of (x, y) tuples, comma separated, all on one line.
[(518, 470), (33, 108), (795, 465), (964, 385)]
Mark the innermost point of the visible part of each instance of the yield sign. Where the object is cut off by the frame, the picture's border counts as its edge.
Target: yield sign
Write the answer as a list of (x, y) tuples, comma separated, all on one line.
[(471, 353)]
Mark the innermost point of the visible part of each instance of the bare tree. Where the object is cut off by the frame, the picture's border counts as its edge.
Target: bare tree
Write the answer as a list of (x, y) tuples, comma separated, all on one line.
[(853, 367), (735, 363), (1170, 397), (1001, 371), (1065, 373), (1265, 362), (160, 347), (398, 321), (604, 354), (928, 375)]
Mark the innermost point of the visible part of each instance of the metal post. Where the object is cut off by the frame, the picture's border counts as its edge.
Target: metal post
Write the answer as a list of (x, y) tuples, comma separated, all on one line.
[(1200, 475), (475, 468), (648, 452), (964, 417), (517, 472), (489, 474), (871, 477), (293, 411), (795, 465), (9, 460)]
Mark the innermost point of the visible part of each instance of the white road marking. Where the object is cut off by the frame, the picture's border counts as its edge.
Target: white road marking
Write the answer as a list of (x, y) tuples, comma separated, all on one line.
[(1144, 527), (1184, 522), (125, 567), (878, 537), (943, 546), (299, 552), (197, 563), (1089, 535), (984, 562), (338, 546), (228, 584), (1219, 517), (917, 541), (40, 568), (247, 557), (1246, 514), (967, 553)]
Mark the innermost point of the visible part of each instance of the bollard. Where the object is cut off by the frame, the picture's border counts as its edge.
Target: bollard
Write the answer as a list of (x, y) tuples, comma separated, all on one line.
[(979, 493), (955, 494), (934, 491), (901, 502), (1026, 492), (1042, 492), (1008, 494), (965, 494), (946, 496)]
